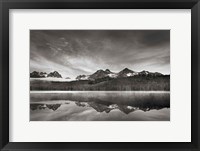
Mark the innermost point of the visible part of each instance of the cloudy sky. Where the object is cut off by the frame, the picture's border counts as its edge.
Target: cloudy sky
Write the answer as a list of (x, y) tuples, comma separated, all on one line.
[(75, 52)]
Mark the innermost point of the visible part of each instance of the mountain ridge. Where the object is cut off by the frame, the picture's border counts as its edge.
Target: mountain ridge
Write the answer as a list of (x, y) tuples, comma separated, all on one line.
[(36, 74), (99, 74)]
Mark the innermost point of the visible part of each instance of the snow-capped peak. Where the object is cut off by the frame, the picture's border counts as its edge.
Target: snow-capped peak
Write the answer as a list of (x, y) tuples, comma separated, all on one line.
[(82, 77)]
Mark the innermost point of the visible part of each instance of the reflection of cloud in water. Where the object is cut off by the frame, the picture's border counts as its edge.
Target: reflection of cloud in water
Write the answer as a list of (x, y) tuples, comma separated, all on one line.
[(153, 108)]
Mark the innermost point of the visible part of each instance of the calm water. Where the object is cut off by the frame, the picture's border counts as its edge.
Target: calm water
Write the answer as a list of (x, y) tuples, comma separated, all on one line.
[(100, 106)]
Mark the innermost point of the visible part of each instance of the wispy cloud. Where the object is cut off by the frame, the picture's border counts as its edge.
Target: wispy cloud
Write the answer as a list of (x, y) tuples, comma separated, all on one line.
[(74, 52)]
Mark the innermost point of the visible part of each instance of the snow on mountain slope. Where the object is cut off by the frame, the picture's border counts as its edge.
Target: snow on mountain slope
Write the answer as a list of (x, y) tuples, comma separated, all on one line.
[(82, 77)]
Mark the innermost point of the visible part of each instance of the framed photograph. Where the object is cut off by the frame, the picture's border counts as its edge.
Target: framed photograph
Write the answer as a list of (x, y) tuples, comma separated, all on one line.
[(99, 75)]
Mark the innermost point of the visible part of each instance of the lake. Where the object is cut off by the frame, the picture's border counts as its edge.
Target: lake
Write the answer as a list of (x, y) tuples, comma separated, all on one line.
[(99, 106)]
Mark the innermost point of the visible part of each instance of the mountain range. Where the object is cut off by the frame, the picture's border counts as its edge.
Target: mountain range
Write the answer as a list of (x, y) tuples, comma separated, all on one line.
[(99, 74), (36, 74), (104, 80)]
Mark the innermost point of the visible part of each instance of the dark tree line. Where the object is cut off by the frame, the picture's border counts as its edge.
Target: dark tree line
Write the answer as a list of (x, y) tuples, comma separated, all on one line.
[(136, 83)]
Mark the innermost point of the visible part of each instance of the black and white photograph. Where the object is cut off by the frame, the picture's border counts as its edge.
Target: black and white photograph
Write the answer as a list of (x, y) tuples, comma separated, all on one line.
[(100, 75)]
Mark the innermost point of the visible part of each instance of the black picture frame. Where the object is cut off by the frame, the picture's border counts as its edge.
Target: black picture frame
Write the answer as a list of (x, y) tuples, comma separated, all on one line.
[(5, 5)]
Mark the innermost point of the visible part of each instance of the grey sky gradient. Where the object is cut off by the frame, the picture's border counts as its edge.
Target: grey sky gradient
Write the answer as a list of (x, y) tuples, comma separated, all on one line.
[(75, 52)]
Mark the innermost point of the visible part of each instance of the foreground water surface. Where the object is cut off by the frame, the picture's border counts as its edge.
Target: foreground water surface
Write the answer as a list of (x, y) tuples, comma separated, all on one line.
[(99, 106)]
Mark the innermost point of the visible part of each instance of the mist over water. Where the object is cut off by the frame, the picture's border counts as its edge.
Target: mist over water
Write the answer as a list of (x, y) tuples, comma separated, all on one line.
[(100, 106)]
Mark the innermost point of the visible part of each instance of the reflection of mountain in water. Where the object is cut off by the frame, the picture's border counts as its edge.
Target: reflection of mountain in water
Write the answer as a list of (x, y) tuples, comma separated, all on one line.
[(82, 104), (107, 107), (126, 109), (124, 102), (100, 107), (37, 106), (53, 107)]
